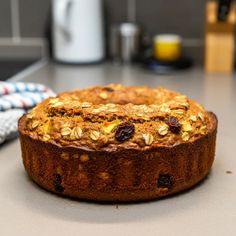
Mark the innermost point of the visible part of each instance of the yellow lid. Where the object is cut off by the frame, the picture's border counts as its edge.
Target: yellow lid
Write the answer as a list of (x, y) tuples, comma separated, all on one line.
[(167, 47)]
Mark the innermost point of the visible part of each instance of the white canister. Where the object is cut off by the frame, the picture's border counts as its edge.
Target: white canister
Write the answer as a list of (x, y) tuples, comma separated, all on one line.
[(78, 34)]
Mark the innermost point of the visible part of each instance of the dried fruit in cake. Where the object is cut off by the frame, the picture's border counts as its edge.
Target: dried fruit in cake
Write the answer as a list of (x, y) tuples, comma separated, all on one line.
[(57, 183), (124, 131), (174, 124), (164, 181)]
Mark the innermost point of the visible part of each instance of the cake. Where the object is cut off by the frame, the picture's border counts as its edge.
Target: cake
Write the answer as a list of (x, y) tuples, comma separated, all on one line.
[(117, 143)]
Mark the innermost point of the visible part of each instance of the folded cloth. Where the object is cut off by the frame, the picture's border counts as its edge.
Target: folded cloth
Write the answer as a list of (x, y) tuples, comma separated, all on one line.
[(22, 95), (15, 99), (8, 124)]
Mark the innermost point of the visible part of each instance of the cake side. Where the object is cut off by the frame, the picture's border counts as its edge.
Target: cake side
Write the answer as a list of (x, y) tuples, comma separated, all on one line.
[(123, 174)]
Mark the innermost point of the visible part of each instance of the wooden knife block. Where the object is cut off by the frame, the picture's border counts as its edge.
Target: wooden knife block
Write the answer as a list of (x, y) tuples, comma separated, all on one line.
[(219, 40)]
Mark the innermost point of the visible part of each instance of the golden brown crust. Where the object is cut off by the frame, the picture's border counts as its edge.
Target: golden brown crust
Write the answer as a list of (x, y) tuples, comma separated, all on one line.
[(82, 118), (158, 166)]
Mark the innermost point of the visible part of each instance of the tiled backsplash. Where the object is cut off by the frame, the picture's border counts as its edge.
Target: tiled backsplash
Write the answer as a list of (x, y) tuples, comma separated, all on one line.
[(34, 16), (183, 17), (5, 18)]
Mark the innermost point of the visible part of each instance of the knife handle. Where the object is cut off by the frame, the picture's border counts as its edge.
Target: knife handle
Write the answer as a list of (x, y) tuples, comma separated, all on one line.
[(223, 9)]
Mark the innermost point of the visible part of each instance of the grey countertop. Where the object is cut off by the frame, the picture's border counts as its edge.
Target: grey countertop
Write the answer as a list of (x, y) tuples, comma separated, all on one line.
[(208, 209)]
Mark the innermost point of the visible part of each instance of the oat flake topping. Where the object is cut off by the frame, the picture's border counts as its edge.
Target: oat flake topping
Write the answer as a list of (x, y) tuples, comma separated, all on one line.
[(100, 117)]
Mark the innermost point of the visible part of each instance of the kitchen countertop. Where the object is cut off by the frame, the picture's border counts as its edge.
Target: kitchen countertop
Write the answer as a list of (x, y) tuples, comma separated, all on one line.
[(208, 209)]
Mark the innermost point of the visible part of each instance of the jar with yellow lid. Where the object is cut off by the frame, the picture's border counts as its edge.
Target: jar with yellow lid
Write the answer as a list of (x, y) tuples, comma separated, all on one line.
[(167, 47)]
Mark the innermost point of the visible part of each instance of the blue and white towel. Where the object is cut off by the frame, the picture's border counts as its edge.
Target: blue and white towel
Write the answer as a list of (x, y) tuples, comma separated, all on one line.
[(15, 100)]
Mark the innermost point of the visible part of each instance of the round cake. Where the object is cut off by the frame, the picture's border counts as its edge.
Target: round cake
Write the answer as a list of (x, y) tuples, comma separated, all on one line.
[(117, 143)]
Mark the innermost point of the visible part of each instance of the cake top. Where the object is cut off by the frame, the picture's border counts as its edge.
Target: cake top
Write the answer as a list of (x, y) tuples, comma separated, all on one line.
[(113, 116)]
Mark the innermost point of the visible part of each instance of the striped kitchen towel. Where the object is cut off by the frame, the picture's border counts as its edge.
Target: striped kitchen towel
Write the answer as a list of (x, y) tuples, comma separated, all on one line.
[(15, 99), (22, 95)]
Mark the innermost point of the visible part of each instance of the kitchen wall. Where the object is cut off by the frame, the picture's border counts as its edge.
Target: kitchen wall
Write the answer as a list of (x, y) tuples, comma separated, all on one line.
[(23, 22)]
